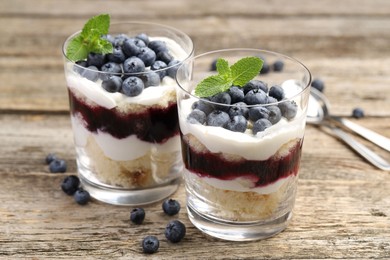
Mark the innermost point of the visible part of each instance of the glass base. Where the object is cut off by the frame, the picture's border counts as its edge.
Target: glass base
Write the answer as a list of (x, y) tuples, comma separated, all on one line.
[(127, 197), (235, 231)]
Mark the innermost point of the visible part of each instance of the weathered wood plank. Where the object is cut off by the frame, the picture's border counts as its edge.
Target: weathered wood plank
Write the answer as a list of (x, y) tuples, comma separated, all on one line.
[(191, 8), (323, 36), (335, 219)]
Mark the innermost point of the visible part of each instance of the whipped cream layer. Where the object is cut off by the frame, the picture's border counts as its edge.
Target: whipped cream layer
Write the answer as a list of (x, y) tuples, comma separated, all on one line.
[(252, 147)]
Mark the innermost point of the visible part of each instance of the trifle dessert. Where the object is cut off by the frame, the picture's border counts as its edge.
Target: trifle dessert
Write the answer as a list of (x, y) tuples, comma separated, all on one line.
[(123, 110), (241, 137)]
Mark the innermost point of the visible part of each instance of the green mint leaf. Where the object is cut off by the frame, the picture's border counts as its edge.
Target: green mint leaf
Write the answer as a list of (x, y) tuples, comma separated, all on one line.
[(99, 24), (245, 69), (89, 40), (76, 49), (212, 85), (238, 74), (223, 68)]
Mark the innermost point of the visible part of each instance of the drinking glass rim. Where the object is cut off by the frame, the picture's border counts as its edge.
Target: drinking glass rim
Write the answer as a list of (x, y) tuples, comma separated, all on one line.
[(276, 54), (151, 24)]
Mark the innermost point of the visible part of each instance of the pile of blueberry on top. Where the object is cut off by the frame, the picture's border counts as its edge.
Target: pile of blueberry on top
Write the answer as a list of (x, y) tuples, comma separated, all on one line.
[(236, 112), (124, 67)]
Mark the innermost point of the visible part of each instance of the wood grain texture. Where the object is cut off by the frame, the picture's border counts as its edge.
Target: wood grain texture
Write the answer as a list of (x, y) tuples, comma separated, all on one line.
[(343, 204)]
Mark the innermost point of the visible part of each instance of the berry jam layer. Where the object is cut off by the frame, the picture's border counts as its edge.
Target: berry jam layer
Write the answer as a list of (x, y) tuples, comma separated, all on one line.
[(154, 124), (262, 172)]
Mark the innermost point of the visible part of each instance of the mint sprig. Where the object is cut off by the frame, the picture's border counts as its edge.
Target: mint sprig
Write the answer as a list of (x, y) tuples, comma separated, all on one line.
[(90, 40), (238, 74)]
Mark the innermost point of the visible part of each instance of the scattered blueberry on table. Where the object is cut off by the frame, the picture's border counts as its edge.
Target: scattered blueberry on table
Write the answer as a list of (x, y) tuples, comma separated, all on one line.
[(137, 216), (358, 113), (70, 184), (150, 244), (171, 207), (278, 65), (318, 84), (81, 196), (175, 231), (57, 166)]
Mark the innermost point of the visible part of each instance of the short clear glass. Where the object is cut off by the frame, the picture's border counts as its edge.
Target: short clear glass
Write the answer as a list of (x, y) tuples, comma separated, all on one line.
[(127, 143), (241, 184)]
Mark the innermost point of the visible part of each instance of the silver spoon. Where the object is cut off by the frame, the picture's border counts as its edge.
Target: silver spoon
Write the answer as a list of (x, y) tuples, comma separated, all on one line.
[(318, 113)]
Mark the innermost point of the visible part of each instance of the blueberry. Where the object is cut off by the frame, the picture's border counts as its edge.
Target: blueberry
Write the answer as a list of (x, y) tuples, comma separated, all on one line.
[(260, 125), (217, 118), (81, 196), (133, 65), (50, 157), (159, 66), (274, 114), (271, 100), (255, 84), (239, 109), (172, 68), (158, 46), (120, 39), (91, 73), (147, 55), (132, 46), (276, 92), (81, 65), (278, 65), (143, 37), (236, 94), (255, 97), (137, 216), (204, 106), (132, 86), (57, 166), (111, 68), (171, 207), (112, 84), (196, 117), (289, 109), (175, 231), (266, 68), (237, 124), (150, 79), (256, 113), (70, 184), (358, 112), (150, 244), (222, 98), (117, 55), (164, 56), (318, 84), (96, 59)]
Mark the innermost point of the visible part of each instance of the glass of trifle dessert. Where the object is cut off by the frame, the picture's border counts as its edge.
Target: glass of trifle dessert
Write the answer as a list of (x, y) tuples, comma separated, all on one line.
[(121, 85), (241, 134)]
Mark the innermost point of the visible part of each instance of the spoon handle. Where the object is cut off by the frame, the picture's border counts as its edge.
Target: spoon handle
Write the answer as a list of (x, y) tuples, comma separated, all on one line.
[(368, 154), (370, 135)]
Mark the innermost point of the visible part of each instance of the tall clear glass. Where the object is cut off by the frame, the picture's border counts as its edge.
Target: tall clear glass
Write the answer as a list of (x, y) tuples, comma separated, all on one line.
[(127, 142), (241, 182)]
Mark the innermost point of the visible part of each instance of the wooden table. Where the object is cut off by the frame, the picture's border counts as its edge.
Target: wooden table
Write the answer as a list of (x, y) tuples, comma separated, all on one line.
[(343, 204)]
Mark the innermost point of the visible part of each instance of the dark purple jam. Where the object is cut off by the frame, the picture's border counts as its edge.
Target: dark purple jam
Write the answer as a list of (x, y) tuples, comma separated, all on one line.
[(207, 164), (155, 125)]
